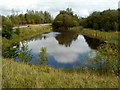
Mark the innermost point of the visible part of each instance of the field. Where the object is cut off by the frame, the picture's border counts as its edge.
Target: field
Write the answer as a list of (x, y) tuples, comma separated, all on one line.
[(47, 77)]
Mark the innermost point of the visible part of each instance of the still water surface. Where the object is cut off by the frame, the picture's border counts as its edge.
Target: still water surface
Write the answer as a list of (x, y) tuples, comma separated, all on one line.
[(64, 49)]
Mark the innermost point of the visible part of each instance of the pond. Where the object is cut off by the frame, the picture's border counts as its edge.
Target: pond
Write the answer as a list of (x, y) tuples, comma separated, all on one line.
[(64, 49)]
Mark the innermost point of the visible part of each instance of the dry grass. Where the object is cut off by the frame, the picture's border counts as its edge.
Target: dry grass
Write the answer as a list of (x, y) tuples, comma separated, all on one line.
[(22, 75)]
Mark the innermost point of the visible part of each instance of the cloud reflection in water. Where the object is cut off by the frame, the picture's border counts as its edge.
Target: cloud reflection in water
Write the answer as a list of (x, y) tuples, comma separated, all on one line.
[(61, 53)]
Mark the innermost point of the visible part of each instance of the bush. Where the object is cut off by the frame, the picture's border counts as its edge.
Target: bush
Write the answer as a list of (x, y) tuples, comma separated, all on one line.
[(24, 54), (107, 56), (6, 28), (42, 56), (65, 19)]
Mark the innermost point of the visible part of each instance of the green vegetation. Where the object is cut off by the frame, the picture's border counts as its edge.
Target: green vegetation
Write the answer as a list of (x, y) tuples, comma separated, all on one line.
[(24, 33), (13, 37), (23, 53), (29, 32), (111, 37), (26, 75), (32, 76), (77, 28), (6, 28), (42, 56), (107, 55), (103, 21), (30, 17), (65, 19)]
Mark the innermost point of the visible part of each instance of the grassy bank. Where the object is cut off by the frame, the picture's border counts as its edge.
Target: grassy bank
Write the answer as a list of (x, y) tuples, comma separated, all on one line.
[(111, 37), (24, 33), (28, 32), (76, 28), (31, 76)]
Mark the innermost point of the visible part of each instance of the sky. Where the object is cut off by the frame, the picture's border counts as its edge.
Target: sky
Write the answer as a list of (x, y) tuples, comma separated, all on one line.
[(80, 7)]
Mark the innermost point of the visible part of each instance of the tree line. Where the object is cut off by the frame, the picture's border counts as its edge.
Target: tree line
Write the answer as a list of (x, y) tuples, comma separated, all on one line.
[(30, 17), (106, 20)]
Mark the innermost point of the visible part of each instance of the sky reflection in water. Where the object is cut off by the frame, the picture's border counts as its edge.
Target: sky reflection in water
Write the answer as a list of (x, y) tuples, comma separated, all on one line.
[(64, 49)]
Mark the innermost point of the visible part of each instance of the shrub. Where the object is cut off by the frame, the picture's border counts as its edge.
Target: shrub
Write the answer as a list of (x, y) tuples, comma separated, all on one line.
[(42, 56), (65, 19), (24, 54), (107, 55)]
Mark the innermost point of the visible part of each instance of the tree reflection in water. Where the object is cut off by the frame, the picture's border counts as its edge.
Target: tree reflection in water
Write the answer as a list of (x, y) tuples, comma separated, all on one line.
[(66, 38)]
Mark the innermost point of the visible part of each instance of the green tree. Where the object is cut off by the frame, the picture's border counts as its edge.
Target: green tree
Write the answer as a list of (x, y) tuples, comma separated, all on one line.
[(6, 27), (24, 54), (106, 20), (31, 17), (42, 56), (65, 19), (9, 51), (69, 11)]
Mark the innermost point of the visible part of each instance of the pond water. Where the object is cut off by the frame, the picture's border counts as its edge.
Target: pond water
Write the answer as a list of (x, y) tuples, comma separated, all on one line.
[(64, 49)]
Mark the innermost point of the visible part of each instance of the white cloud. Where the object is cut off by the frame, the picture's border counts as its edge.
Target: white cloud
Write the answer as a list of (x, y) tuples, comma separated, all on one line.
[(80, 7), (61, 53)]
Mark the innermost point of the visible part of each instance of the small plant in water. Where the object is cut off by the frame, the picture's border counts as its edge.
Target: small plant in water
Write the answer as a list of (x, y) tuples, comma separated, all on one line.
[(42, 56), (24, 53)]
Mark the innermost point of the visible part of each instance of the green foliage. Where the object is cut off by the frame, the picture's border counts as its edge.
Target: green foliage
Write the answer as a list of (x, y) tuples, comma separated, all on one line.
[(104, 21), (107, 55), (24, 33), (6, 27), (42, 56), (17, 31), (65, 19), (111, 37), (9, 51), (31, 17), (23, 53)]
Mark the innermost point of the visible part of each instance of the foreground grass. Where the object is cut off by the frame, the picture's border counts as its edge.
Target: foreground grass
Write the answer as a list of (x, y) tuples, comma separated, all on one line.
[(111, 37), (22, 75)]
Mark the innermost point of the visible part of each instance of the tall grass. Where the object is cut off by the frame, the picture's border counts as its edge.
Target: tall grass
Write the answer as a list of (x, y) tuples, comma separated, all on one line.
[(112, 37), (22, 75)]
